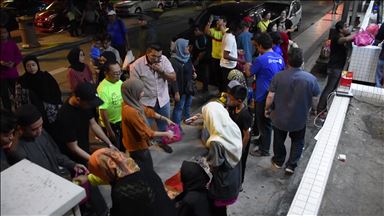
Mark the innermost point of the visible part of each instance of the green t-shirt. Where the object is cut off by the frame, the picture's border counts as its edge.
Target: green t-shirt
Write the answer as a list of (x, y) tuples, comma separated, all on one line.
[(110, 93)]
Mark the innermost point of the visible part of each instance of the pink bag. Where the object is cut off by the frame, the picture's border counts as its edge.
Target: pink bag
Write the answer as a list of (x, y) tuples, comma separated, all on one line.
[(363, 38), (177, 134), (373, 29)]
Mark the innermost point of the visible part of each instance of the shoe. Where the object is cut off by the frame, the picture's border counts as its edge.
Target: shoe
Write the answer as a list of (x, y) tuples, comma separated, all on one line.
[(259, 153), (166, 148), (274, 164), (289, 170)]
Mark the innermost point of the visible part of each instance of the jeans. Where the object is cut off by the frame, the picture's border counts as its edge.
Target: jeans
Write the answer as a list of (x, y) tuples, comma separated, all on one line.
[(332, 83), (182, 108), (164, 111), (279, 151), (264, 126), (379, 73)]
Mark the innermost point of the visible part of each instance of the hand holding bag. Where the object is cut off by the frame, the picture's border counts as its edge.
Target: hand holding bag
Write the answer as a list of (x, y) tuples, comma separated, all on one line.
[(176, 134)]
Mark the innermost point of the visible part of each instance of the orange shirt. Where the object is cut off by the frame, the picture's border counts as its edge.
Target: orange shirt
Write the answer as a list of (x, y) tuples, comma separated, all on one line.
[(136, 132)]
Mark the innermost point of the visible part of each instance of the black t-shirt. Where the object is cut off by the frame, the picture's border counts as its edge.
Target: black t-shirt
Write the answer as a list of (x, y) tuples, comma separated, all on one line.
[(243, 119), (338, 53), (72, 124)]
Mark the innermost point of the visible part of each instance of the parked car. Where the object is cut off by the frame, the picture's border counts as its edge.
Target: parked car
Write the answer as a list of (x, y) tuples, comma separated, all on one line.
[(125, 8), (52, 18), (10, 9), (178, 3)]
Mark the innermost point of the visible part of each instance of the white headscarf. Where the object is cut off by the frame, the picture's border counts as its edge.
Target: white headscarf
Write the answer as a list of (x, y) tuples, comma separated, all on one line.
[(223, 130)]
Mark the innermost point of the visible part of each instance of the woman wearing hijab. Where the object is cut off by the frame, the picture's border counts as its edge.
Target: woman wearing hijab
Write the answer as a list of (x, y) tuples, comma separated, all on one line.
[(194, 201), (182, 64), (136, 132), (78, 71), (225, 147), (135, 190), (44, 87)]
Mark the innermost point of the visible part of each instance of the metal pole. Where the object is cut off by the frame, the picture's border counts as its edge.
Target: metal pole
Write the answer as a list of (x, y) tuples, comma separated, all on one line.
[(344, 16), (354, 12)]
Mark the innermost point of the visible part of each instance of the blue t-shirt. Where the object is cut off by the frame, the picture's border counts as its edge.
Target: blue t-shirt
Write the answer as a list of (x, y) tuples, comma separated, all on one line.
[(265, 67), (117, 31), (244, 42), (95, 53), (294, 89), (277, 49)]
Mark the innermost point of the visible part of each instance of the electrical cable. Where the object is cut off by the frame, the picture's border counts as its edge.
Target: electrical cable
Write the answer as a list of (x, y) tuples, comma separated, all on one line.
[(324, 110)]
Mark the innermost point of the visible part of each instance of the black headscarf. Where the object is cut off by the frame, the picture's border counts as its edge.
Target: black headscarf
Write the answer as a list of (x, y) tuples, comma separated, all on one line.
[(193, 176), (42, 84), (73, 58)]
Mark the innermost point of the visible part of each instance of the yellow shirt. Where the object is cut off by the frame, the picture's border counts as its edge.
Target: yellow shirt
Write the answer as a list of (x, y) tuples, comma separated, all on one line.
[(263, 25), (217, 37)]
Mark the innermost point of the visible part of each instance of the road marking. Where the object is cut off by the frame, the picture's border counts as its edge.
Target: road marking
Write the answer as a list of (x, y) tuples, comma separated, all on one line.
[(58, 70)]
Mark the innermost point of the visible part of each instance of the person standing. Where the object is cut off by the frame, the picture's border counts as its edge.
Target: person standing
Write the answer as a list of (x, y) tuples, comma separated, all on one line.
[(292, 93), (262, 25), (380, 64), (284, 24), (229, 58), (147, 34), (216, 34), (155, 70), (337, 60), (136, 132), (182, 64), (201, 56), (78, 71), (264, 67), (244, 41), (118, 32), (109, 91), (10, 57), (44, 88)]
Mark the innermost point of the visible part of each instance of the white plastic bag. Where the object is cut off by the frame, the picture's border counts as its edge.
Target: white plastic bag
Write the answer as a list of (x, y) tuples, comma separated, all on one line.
[(129, 58)]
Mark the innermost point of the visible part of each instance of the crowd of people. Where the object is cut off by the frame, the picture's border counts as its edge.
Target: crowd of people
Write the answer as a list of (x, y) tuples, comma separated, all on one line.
[(262, 85)]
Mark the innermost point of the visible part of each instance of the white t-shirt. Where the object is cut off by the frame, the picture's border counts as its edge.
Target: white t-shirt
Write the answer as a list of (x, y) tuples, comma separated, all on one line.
[(229, 44)]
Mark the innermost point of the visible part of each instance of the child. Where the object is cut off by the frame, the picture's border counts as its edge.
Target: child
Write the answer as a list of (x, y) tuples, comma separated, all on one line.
[(107, 47), (239, 113), (96, 50)]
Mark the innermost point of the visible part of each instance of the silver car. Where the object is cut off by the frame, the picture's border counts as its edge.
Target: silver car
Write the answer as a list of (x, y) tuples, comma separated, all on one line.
[(134, 7)]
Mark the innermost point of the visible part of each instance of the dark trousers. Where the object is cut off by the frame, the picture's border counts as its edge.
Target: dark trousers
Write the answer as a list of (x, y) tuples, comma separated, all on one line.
[(74, 28), (122, 50), (142, 157), (117, 130), (279, 151), (203, 75), (332, 83), (223, 84), (264, 126), (219, 211), (244, 157), (7, 86), (215, 72)]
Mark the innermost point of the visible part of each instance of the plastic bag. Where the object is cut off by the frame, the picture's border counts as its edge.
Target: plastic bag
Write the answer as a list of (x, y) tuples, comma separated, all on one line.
[(176, 134), (363, 38)]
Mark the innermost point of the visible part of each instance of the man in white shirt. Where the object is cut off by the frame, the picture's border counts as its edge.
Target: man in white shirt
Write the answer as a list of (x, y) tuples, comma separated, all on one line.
[(155, 70), (229, 58)]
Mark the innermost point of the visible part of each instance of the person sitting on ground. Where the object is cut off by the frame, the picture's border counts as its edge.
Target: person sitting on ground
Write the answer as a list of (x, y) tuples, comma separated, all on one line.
[(182, 64), (44, 87), (36, 145), (78, 72), (8, 137), (136, 190), (109, 91), (136, 132), (239, 113), (224, 153), (194, 200)]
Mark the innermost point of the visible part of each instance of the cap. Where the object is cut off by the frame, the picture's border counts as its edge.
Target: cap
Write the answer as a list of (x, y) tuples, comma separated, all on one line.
[(111, 12), (87, 92), (248, 19), (233, 83)]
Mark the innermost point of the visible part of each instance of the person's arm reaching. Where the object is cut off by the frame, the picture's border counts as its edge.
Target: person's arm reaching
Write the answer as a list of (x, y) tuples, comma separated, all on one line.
[(76, 150), (107, 124), (268, 103), (99, 132)]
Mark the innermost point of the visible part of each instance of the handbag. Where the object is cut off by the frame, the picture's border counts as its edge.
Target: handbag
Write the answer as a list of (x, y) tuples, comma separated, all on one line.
[(191, 88), (176, 134)]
